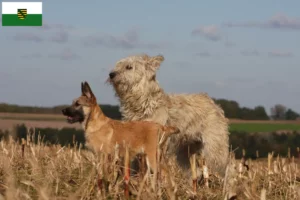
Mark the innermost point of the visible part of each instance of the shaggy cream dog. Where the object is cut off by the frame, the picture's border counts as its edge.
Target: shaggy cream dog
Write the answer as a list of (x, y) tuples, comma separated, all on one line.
[(203, 127)]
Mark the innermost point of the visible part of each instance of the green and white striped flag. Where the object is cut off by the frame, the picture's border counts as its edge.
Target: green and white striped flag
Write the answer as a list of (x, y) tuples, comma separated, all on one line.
[(22, 14)]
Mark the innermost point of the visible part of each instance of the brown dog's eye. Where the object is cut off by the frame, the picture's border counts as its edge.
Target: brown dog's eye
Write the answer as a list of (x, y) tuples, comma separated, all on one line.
[(128, 67), (77, 104)]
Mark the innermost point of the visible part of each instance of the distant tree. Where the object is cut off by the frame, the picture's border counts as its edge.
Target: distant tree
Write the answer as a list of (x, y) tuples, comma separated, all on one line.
[(291, 115), (246, 113), (260, 113), (231, 108), (111, 111), (278, 112)]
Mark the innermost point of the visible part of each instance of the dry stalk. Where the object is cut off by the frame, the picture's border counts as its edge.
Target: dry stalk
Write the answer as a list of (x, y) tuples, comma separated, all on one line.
[(245, 161), (270, 156), (101, 172), (142, 186), (73, 140), (276, 168), (284, 165), (171, 187), (39, 139), (241, 168), (157, 176), (263, 194), (116, 164), (5, 151), (126, 173), (205, 174), (23, 147), (194, 171), (242, 164)]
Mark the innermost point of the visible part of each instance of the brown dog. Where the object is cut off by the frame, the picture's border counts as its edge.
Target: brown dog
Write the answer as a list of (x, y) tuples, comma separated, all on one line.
[(104, 133)]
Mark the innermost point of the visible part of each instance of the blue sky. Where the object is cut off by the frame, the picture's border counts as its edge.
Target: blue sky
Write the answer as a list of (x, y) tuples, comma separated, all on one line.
[(246, 51)]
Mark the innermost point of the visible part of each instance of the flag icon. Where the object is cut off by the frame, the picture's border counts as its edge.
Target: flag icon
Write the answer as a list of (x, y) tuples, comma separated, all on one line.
[(22, 14)]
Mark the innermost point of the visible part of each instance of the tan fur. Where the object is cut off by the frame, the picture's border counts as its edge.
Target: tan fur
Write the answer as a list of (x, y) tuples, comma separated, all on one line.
[(104, 133), (203, 127)]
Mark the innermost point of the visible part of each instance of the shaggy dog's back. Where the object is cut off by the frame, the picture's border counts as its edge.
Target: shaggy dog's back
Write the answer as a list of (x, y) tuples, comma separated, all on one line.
[(202, 124)]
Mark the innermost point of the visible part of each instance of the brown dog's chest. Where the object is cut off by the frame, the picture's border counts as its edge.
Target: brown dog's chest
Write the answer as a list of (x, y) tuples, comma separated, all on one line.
[(100, 140)]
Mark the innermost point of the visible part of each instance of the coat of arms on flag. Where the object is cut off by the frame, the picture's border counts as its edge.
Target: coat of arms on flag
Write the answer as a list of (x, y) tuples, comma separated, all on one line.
[(22, 13)]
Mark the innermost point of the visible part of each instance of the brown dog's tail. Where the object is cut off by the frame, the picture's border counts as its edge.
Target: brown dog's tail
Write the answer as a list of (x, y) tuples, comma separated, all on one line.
[(166, 132)]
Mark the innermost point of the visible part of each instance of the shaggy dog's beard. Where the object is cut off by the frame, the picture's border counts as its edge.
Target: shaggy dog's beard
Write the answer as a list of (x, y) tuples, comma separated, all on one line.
[(118, 85), (121, 89)]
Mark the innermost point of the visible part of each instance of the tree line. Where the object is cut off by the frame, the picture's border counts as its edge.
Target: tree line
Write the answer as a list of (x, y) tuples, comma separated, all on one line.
[(110, 110), (231, 108)]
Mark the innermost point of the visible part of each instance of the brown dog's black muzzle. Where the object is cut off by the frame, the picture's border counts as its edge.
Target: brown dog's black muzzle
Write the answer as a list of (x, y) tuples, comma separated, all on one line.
[(72, 115), (64, 111)]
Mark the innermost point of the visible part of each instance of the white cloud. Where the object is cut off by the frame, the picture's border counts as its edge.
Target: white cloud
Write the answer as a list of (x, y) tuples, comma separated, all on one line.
[(280, 54), (210, 32), (278, 21), (248, 52)]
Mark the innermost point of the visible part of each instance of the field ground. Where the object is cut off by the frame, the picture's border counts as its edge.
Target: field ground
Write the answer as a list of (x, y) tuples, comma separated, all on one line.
[(78, 174), (8, 120), (35, 117), (263, 127)]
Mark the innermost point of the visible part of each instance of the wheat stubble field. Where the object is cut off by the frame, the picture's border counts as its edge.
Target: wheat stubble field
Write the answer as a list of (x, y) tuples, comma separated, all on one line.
[(36, 171)]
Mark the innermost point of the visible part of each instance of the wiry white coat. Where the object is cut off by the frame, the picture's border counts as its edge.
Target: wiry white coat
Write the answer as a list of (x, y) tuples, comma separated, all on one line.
[(201, 122)]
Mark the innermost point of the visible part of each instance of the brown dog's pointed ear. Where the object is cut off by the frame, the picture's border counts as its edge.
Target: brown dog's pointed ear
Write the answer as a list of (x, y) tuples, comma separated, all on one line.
[(87, 91), (155, 61), (82, 90)]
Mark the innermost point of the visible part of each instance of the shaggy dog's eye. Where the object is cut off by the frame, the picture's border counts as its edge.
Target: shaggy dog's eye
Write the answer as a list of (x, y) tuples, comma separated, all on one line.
[(76, 103), (128, 67)]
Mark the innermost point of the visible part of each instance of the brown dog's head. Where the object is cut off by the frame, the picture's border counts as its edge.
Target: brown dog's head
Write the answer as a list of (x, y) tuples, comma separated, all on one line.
[(81, 106), (134, 70)]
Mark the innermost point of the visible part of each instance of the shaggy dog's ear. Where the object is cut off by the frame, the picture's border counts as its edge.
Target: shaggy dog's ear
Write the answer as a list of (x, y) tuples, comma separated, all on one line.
[(155, 61)]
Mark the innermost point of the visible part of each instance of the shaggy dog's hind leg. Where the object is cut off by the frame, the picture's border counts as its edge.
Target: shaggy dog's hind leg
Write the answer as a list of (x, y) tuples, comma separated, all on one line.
[(185, 150)]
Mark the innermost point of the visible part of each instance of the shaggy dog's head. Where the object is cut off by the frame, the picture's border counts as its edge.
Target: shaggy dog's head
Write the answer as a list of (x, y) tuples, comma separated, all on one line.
[(134, 71)]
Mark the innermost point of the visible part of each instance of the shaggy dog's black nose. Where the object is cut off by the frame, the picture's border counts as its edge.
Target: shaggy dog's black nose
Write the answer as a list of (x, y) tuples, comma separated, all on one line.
[(112, 75)]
